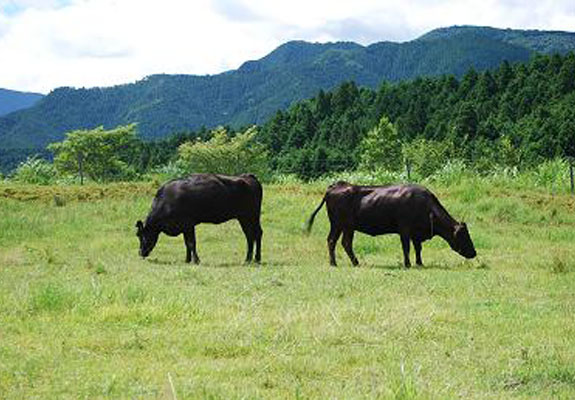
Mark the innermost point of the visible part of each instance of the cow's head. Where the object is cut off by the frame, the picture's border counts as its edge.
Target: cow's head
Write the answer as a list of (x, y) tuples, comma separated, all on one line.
[(462, 241), (148, 238)]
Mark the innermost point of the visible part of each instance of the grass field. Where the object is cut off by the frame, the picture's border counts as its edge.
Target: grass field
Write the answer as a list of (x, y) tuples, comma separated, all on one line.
[(82, 316)]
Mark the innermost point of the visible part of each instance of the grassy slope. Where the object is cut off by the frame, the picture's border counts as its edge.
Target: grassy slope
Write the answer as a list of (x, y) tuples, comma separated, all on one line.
[(81, 316)]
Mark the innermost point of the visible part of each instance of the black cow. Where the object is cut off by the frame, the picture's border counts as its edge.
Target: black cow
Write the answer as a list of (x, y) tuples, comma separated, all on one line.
[(411, 211), (181, 204)]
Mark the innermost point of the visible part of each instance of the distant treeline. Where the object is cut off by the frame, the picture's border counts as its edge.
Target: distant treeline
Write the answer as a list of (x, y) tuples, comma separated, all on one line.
[(517, 114), (531, 106)]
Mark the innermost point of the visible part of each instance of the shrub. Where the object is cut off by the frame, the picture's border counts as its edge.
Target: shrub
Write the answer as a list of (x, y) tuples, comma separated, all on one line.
[(452, 173), (286, 179), (426, 156), (169, 171), (36, 171), (374, 177), (509, 155), (225, 154), (552, 174)]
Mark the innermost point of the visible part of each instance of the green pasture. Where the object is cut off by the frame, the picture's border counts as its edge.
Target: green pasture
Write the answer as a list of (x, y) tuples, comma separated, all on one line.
[(82, 316)]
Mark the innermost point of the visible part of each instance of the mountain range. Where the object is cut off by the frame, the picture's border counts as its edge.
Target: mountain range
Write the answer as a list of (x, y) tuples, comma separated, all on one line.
[(12, 100), (165, 104)]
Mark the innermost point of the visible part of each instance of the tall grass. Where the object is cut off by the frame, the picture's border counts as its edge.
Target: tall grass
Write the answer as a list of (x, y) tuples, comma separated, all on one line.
[(551, 176)]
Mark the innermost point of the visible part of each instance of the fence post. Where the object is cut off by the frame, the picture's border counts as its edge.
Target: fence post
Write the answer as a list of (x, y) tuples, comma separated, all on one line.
[(408, 169)]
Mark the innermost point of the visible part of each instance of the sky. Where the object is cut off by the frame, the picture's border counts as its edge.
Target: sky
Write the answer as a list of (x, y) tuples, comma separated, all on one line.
[(45, 44)]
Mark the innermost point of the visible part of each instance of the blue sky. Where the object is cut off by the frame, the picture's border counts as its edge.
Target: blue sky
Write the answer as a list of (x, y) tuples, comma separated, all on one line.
[(13, 7), (83, 43)]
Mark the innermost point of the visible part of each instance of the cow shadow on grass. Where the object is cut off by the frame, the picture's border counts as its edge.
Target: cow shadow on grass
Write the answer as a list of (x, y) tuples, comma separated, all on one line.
[(456, 267), (211, 264), (400, 267), (465, 265), (159, 261), (263, 264), (208, 264)]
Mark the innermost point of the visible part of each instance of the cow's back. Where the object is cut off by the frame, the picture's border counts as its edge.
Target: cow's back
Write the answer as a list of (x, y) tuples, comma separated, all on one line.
[(377, 210), (211, 198)]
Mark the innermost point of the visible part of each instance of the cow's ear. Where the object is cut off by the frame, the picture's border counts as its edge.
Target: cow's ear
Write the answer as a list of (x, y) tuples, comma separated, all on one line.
[(139, 225)]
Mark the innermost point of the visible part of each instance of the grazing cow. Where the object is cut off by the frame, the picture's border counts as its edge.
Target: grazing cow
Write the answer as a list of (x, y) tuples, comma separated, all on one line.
[(411, 211), (181, 204)]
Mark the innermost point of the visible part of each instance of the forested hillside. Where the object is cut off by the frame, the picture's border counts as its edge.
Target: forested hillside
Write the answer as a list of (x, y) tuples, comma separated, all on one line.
[(165, 104), (524, 113), (11, 100), (514, 116), (547, 42)]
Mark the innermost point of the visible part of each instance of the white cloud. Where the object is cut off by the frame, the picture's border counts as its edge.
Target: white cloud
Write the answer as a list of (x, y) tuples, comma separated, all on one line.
[(50, 43)]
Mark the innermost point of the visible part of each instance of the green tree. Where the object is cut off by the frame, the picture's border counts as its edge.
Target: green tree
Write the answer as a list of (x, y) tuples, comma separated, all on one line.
[(468, 82), (567, 74), (465, 126), (304, 127), (381, 147), (504, 74), (486, 86), (323, 104), (225, 154), (96, 153)]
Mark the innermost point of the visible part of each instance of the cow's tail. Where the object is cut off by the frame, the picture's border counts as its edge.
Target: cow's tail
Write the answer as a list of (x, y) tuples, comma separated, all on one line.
[(309, 222)]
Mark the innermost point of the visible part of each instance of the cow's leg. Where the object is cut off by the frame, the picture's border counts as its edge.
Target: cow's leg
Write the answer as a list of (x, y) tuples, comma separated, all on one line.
[(332, 239), (190, 240), (258, 234), (347, 243), (417, 247), (405, 246), (248, 228)]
